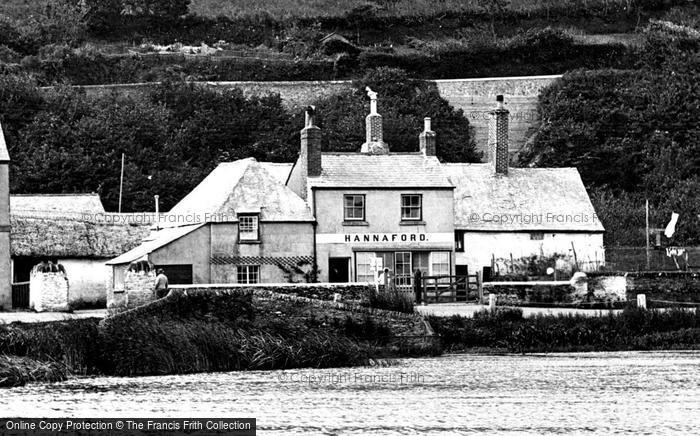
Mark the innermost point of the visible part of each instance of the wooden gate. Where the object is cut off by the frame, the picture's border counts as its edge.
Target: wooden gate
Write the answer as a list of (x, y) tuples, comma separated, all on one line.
[(457, 288), (20, 295)]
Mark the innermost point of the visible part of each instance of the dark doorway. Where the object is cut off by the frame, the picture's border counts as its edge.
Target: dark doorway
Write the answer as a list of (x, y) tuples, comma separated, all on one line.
[(339, 269), (487, 274), (462, 270), (177, 274), (23, 266)]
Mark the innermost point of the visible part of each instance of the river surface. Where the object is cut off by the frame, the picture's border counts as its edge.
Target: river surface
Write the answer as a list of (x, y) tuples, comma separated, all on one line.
[(579, 393)]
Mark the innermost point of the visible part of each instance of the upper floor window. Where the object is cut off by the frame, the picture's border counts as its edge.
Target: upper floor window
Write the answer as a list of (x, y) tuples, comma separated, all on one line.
[(411, 207), (248, 228), (459, 241), (354, 207)]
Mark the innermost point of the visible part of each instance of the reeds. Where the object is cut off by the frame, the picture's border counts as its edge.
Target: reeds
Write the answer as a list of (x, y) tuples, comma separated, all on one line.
[(631, 329), (391, 300), (17, 371)]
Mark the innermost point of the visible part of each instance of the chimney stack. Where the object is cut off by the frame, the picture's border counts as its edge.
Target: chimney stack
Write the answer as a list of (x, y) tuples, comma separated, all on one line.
[(427, 139), (498, 137), (5, 278), (310, 155), (374, 142)]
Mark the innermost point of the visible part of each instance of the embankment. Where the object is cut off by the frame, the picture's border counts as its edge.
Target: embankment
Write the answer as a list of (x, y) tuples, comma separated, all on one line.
[(203, 330)]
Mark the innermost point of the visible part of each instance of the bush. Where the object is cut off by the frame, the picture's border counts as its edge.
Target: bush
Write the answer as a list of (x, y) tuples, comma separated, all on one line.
[(629, 330), (640, 129)]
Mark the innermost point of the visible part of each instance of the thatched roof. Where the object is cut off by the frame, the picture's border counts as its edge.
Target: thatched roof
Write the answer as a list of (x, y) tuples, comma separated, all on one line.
[(69, 203), (59, 236)]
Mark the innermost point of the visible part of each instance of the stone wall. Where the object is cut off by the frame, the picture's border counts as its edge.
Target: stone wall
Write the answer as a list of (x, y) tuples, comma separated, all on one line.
[(357, 292), (580, 290), (48, 291), (664, 285), (658, 286), (139, 288)]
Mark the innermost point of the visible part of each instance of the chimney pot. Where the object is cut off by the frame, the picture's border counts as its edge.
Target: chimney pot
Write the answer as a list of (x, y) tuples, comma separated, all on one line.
[(310, 111), (374, 139), (427, 139)]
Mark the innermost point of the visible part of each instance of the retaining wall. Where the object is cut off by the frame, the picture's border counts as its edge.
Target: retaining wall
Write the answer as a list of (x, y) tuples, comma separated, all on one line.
[(476, 97)]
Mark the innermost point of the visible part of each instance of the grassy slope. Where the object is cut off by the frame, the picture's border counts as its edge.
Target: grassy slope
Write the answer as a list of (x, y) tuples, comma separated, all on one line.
[(333, 8), (397, 8)]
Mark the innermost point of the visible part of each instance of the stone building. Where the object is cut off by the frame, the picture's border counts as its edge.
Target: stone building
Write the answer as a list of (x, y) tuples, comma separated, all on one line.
[(353, 214), (241, 224), (72, 230)]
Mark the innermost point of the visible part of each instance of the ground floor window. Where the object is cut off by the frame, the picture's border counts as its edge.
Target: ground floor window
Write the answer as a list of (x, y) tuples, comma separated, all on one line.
[(402, 265), (248, 274), (440, 263)]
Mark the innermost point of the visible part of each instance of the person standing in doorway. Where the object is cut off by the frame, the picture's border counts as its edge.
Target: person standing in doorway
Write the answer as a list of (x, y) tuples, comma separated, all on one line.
[(161, 284)]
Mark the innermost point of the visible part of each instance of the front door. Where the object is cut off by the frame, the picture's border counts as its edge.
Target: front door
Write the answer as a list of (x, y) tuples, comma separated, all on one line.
[(339, 269), (404, 275)]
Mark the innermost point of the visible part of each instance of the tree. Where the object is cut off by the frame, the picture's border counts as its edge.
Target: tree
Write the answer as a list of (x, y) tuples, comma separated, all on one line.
[(403, 104), (632, 132)]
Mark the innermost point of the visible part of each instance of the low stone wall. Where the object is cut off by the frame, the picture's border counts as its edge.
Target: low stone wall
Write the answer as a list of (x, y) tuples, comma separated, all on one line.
[(665, 285), (357, 292), (49, 291), (602, 289), (659, 286)]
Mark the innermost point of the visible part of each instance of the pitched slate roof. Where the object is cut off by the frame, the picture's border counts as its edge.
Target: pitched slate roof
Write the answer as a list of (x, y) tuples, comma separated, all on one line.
[(356, 170), (4, 155), (58, 236), (153, 242), (51, 203), (538, 199), (241, 186), (279, 170)]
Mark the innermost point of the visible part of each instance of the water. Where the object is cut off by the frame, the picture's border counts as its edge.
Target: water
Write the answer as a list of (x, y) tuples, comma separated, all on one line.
[(580, 393)]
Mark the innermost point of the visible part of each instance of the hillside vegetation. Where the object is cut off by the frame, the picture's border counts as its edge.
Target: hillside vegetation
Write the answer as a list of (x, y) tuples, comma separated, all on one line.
[(176, 133), (633, 135), (113, 41)]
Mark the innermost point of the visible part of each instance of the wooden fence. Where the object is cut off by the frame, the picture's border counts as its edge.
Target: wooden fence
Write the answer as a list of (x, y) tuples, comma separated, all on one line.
[(20, 295)]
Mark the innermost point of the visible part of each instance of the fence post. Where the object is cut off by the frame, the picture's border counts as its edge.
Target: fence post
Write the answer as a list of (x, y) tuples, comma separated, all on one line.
[(479, 287), (418, 286), (492, 301), (641, 301)]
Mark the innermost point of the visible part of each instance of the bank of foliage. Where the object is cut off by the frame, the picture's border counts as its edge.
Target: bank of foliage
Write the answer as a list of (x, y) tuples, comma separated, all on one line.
[(176, 133), (204, 333), (631, 329), (533, 52), (633, 134), (84, 42)]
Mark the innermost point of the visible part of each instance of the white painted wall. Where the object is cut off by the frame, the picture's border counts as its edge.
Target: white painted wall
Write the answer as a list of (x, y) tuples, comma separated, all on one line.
[(480, 246), (88, 279)]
